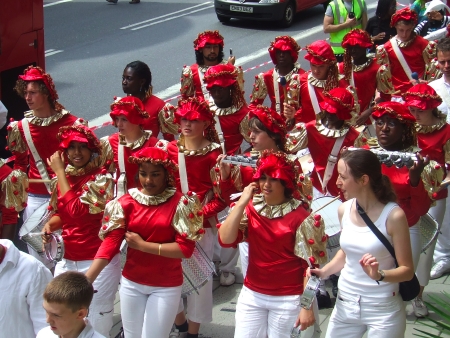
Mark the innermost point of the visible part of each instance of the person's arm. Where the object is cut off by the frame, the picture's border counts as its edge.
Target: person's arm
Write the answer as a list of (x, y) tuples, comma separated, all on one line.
[(97, 266), (228, 231), (306, 317), (364, 19), (397, 228), (329, 27), (56, 162), (170, 250)]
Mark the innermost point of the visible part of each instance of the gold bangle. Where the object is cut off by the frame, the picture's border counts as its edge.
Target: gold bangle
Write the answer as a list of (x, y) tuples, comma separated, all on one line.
[(159, 250)]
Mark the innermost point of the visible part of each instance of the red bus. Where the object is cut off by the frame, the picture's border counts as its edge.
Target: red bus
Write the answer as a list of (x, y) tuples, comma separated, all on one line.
[(21, 45)]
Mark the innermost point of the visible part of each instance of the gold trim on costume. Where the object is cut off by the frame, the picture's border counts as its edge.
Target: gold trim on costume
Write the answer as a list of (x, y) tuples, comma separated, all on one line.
[(14, 188), (136, 144), (274, 211)]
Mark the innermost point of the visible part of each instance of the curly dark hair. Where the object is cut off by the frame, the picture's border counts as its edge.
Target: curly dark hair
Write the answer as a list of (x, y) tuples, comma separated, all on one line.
[(199, 56)]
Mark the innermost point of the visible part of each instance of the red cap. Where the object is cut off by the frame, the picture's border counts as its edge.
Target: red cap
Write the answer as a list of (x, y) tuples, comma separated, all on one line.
[(405, 14), (278, 166), (338, 101), (270, 119), (156, 156), (284, 43), (37, 74), (319, 53), (357, 37), (422, 96), (395, 110), (131, 107), (211, 37), (223, 75), (78, 133), (193, 108)]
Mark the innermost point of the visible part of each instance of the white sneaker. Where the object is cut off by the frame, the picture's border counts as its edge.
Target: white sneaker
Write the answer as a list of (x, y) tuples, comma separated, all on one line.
[(440, 268), (227, 278), (419, 307), (177, 334)]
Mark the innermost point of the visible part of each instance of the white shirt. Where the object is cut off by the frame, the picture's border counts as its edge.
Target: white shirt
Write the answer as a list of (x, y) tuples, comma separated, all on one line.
[(88, 332), (440, 85), (22, 283)]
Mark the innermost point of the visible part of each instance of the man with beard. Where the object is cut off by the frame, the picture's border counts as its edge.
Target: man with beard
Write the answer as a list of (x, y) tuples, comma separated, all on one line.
[(364, 73), (281, 83), (208, 52)]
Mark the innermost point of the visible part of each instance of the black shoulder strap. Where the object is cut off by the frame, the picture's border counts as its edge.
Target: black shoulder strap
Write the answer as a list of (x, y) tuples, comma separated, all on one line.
[(377, 232)]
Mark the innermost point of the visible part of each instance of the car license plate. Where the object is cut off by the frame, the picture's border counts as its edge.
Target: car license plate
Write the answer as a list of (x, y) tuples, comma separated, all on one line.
[(241, 9)]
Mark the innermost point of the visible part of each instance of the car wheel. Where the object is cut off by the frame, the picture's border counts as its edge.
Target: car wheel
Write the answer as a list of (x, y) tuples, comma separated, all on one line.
[(222, 18), (288, 15)]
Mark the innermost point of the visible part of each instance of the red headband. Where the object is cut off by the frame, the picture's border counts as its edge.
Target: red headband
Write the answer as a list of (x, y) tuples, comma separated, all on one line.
[(277, 165), (193, 108), (131, 107), (357, 37), (319, 53), (78, 133), (284, 43), (405, 14), (338, 101), (223, 75), (422, 96), (37, 74), (211, 37), (396, 110)]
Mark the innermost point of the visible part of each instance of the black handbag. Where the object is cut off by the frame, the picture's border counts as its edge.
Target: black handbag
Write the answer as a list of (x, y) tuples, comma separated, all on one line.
[(408, 289)]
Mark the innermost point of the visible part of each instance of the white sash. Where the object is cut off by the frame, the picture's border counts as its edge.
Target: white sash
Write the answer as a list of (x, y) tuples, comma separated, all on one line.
[(203, 85), (276, 90), (401, 58), (37, 159), (220, 133), (182, 172), (313, 97), (352, 80), (122, 180), (332, 160)]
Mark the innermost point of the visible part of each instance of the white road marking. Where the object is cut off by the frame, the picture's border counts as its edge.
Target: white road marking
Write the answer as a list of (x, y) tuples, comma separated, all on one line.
[(165, 15), (56, 3), (52, 52), (172, 18)]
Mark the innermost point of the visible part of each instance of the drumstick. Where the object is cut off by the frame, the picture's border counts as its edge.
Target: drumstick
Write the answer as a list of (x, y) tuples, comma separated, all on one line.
[(38, 180), (323, 206)]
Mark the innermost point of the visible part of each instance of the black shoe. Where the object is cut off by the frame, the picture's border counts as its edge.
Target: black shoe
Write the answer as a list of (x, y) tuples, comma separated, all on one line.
[(334, 281), (323, 301)]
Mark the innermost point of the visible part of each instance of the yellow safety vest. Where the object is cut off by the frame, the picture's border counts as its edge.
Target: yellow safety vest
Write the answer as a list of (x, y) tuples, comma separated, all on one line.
[(339, 16)]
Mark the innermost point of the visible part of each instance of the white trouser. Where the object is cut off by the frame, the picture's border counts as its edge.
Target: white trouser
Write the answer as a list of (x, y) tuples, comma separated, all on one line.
[(416, 243), (32, 204), (101, 311), (243, 252), (261, 316), (147, 311), (380, 317), (442, 250), (426, 258), (199, 305)]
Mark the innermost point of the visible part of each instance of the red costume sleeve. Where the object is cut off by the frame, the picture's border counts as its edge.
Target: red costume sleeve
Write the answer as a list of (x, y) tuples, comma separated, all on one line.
[(70, 206), (213, 207), (111, 245), (420, 201), (238, 240), (186, 245)]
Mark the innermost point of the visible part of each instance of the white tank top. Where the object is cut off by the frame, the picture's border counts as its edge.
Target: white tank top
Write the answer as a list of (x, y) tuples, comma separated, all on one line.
[(355, 242)]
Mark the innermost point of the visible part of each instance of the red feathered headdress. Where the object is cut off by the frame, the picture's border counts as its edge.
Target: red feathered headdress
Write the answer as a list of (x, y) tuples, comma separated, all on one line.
[(284, 43), (270, 119), (78, 133), (405, 14), (131, 107), (37, 74), (319, 53), (193, 108), (211, 37), (395, 110), (156, 156), (422, 96), (357, 37), (223, 75)]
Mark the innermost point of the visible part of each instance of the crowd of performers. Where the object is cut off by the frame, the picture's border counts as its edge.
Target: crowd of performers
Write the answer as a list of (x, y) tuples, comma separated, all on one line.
[(159, 183)]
